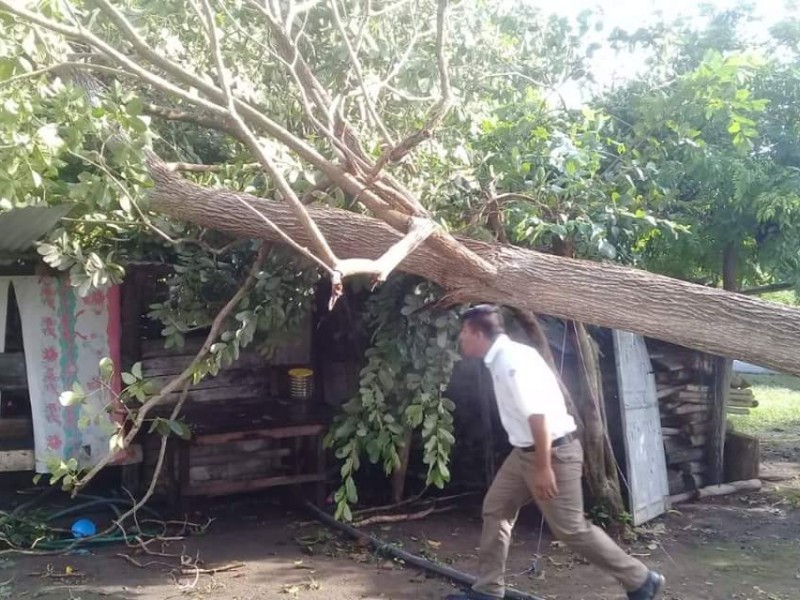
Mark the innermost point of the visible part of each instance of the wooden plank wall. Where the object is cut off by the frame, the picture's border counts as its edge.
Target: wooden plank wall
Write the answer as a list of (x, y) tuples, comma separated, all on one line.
[(685, 390)]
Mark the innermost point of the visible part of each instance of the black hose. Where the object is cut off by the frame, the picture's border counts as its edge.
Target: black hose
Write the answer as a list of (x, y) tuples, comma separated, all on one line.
[(392, 551)]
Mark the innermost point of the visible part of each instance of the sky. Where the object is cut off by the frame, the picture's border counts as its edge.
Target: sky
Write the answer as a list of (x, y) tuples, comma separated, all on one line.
[(610, 67)]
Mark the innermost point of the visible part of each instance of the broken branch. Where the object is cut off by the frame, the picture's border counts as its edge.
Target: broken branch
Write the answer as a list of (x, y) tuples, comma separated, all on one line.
[(417, 516), (418, 232)]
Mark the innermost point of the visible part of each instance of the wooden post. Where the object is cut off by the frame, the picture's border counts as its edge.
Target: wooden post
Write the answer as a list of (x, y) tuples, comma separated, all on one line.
[(742, 457), (723, 371)]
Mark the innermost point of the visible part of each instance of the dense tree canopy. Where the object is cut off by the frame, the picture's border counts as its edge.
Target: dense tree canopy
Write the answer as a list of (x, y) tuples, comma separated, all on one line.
[(438, 120)]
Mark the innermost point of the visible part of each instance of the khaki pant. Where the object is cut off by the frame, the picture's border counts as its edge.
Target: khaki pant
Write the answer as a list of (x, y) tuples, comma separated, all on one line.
[(512, 489)]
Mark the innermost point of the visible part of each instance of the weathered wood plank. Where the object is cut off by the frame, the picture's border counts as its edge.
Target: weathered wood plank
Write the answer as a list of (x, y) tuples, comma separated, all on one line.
[(695, 428), (173, 365), (236, 470), (698, 440), (12, 461), (232, 457), (686, 409), (217, 394), (693, 466), (664, 392), (668, 362), (222, 488), (682, 456), (271, 433), (16, 428), (227, 378), (13, 375)]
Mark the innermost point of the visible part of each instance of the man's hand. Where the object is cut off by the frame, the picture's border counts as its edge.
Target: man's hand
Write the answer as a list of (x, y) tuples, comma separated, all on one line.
[(544, 484)]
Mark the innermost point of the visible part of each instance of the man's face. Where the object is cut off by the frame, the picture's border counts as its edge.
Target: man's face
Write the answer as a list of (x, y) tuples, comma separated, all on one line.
[(473, 343)]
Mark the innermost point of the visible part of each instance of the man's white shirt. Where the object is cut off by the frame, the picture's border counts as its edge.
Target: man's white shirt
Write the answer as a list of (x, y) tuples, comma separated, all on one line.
[(524, 385)]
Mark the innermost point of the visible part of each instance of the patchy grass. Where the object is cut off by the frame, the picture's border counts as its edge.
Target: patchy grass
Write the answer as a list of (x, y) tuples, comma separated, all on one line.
[(778, 412)]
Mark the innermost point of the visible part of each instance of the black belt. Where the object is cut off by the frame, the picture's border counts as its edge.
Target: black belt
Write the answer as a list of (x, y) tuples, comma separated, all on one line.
[(560, 441)]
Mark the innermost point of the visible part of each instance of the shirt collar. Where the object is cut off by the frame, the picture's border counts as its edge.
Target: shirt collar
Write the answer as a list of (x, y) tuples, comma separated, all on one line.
[(498, 345)]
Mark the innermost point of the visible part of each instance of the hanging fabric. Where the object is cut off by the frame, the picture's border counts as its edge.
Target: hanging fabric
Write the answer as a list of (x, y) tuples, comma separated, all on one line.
[(65, 337)]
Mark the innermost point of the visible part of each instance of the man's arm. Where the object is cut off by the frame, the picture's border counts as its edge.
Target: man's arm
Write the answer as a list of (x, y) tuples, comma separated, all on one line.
[(544, 479)]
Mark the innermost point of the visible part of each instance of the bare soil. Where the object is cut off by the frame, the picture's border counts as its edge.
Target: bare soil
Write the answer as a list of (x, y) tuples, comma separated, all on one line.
[(734, 548)]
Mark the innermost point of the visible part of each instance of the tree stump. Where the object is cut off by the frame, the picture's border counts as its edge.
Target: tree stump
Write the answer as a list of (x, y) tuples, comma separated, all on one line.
[(742, 456)]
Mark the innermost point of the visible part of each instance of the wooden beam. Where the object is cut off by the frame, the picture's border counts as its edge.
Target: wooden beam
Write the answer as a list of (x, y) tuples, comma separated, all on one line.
[(13, 375), (12, 461), (275, 433), (223, 488), (14, 428)]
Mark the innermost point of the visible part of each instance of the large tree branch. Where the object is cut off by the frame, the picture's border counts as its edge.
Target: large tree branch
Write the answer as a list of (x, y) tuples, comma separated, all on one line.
[(695, 316), (419, 231), (194, 118)]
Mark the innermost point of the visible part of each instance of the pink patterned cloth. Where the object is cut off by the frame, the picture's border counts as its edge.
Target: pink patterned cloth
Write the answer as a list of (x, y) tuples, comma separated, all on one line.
[(64, 337)]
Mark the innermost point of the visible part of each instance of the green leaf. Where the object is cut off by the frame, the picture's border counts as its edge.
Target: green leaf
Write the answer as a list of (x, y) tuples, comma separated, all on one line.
[(441, 339), (136, 370), (350, 487), (180, 429), (128, 378), (386, 380)]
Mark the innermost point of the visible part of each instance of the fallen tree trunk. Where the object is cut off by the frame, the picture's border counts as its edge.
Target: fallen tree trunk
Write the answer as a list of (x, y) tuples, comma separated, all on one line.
[(707, 319)]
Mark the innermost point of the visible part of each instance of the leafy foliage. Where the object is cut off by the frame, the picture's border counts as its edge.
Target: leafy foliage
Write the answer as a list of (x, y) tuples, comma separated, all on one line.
[(401, 388), (697, 156), (273, 311)]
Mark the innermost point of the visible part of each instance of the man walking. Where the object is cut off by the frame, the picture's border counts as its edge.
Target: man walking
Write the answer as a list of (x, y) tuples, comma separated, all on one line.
[(546, 463)]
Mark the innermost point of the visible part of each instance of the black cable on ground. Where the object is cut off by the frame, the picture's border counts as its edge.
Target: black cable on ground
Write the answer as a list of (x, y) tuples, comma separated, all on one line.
[(391, 551)]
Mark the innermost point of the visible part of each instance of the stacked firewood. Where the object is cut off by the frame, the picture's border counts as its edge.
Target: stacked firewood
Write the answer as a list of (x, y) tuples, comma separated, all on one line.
[(684, 383)]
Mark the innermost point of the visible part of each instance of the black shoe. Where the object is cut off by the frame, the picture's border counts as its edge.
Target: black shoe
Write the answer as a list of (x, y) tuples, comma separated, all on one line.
[(650, 589)]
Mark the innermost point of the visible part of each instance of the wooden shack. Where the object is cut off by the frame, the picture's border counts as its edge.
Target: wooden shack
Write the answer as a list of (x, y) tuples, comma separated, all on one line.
[(248, 433)]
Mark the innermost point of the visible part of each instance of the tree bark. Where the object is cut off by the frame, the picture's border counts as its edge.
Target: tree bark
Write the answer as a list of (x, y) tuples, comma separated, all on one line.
[(723, 371), (400, 473), (600, 470), (742, 456), (706, 319)]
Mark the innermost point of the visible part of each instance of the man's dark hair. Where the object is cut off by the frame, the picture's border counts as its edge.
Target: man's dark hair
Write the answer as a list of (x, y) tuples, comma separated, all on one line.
[(485, 318)]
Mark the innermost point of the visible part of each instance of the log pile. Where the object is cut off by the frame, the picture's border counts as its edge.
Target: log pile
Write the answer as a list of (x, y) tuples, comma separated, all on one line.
[(684, 384)]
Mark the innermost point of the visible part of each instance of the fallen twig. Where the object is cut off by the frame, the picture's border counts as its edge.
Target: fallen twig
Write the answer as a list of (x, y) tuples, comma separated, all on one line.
[(230, 567), (402, 517), (136, 563)]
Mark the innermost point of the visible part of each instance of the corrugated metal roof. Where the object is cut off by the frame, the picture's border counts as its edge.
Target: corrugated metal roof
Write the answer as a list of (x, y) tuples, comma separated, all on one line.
[(21, 227)]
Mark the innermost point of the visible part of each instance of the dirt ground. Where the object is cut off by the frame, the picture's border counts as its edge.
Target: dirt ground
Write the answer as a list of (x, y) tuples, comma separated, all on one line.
[(735, 548), (743, 547)]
